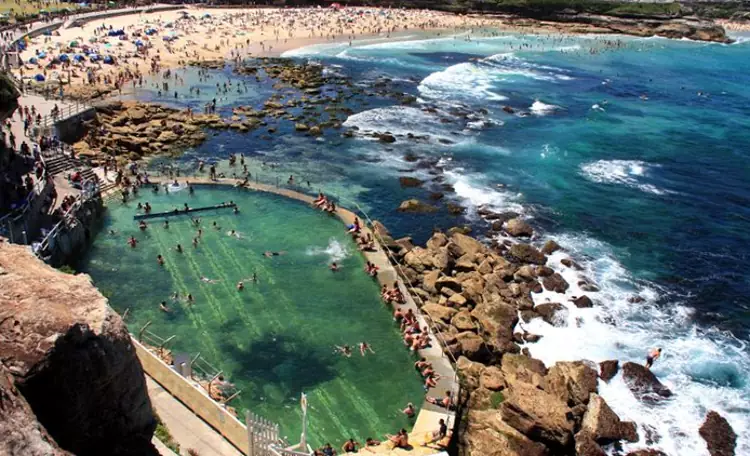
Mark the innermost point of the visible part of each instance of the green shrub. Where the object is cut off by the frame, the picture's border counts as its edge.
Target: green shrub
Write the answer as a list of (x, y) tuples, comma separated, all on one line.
[(496, 399), (162, 433), (67, 269)]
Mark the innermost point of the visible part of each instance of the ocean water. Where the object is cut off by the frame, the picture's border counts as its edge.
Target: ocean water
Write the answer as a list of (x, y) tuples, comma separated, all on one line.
[(632, 153)]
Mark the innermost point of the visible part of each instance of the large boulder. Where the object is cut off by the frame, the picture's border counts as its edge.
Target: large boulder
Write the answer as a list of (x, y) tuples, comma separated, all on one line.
[(555, 283), (492, 378), (438, 313), (464, 244), (643, 383), (520, 368), (487, 435), (718, 434), (538, 415), (550, 247), (603, 424), (72, 359), (518, 228), (462, 321), (473, 346), (429, 280), (582, 302), (497, 318), (608, 369), (526, 253), (553, 313), (587, 446), (407, 182), (572, 382), (416, 206), (470, 372), (436, 241)]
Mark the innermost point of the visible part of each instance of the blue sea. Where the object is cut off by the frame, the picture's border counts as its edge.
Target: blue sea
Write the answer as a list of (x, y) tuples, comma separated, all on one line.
[(633, 154)]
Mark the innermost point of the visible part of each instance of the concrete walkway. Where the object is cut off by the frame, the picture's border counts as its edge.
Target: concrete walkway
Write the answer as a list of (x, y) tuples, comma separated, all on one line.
[(429, 415), (189, 431)]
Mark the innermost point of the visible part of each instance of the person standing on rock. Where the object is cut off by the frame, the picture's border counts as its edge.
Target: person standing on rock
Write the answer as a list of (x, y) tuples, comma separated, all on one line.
[(652, 356)]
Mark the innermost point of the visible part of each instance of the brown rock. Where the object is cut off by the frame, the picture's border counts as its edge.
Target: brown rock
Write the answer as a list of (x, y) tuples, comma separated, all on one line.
[(497, 318), (538, 415), (647, 452), (436, 241), (72, 359), (572, 382), (463, 322), (718, 434), (571, 264), (448, 282), (582, 302), (526, 253), (587, 446), (473, 346), (643, 383), (518, 228), (438, 312), (492, 379), (555, 283), (520, 368), (608, 369), (603, 425), (429, 279), (408, 182), (553, 313), (550, 247), (525, 273), (465, 244), (414, 205), (487, 435)]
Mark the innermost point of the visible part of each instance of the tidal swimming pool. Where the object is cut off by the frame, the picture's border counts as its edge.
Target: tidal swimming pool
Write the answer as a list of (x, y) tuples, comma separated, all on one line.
[(275, 339)]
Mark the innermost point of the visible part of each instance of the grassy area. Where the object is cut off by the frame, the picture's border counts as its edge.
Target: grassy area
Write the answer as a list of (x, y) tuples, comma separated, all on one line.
[(12, 11), (549, 7), (162, 433)]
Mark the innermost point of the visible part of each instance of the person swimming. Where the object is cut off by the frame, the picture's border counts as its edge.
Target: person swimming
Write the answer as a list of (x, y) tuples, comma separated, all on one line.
[(163, 306), (142, 225), (364, 347), (344, 350), (207, 280), (166, 224), (132, 242), (270, 254), (216, 226), (160, 260), (240, 286), (178, 248), (175, 296), (190, 298), (112, 233), (334, 267)]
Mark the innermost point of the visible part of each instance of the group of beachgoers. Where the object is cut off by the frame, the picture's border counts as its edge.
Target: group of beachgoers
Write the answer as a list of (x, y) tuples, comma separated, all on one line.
[(323, 203)]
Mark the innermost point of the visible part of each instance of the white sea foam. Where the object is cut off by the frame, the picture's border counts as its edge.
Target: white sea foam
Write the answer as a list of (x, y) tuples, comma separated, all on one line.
[(539, 108), (622, 172), (335, 250), (704, 368), (472, 192), (399, 120)]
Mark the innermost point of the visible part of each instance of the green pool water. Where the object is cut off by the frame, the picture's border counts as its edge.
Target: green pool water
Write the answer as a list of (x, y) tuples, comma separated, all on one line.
[(275, 339)]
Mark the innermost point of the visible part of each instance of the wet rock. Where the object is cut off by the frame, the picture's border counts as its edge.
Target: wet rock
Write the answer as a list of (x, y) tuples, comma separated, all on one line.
[(525, 273), (455, 209), (643, 383), (409, 182), (544, 271), (416, 206), (608, 369), (587, 446), (386, 138), (553, 313), (526, 253), (585, 285), (518, 228), (571, 264), (582, 302), (555, 283), (718, 434), (550, 247), (647, 452)]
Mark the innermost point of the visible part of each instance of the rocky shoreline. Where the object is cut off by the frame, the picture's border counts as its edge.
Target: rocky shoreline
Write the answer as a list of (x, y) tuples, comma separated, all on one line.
[(514, 404)]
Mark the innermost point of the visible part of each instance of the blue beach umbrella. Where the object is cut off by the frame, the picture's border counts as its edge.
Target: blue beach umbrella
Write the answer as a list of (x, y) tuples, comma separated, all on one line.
[(138, 43), (33, 60), (109, 60), (64, 58), (39, 77), (42, 55), (93, 57), (206, 15), (79, 58)]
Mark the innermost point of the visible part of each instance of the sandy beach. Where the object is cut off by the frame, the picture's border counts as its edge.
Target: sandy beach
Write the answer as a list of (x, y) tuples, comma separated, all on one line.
[(107, 55)]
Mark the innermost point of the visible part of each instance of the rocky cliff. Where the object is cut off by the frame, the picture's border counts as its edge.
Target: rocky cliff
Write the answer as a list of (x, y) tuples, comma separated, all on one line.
[(69, 356)]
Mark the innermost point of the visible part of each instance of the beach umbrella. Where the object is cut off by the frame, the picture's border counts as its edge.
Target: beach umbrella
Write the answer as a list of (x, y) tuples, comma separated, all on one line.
[(33, 60), (39, 77), (93, 57), (206, 15), (109, 60), (74, 43), (42, 55), (92, 40), (64, 58), (138, 43), (79, 57)]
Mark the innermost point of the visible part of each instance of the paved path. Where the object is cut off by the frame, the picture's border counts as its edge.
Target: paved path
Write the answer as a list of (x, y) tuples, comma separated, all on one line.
[(429, 415), (189, 431)]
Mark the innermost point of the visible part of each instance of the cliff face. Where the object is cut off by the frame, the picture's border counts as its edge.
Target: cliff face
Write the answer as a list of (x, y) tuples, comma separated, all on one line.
[(70, 357)]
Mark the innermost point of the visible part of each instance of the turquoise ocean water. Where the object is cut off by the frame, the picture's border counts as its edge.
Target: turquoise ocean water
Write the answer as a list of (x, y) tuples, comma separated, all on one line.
[(631, 153)]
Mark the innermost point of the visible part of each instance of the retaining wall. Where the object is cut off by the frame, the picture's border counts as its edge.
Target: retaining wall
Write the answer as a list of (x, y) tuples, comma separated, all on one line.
[(194, 398)]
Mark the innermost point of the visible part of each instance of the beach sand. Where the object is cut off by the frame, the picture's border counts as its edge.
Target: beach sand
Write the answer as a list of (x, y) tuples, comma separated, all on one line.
[(200, 34)]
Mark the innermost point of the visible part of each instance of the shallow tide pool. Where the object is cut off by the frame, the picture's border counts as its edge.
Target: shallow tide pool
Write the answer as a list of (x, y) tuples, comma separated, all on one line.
[(275, 339)]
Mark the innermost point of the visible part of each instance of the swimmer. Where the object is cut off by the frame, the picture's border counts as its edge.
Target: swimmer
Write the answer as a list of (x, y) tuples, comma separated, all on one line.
[(344, 350), (142, 225), (255, 278), (175, 296), (234, 233), (409, 410), (240, 286), (216, 226), (200, 232), (132, 242), (166, 224), (112, 233), (190, 298), (364, 347), (652, 356), (236, 210), (163, 306), (334, 267), (270, 254), (207, 280), (160, 260), (195, 242), (178, 248)]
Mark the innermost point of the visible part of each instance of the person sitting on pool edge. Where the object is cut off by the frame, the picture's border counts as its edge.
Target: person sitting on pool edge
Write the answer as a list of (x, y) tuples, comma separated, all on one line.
[(350, 446), (400, 440)]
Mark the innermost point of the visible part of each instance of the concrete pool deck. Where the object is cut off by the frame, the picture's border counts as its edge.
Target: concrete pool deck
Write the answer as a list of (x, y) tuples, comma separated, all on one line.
[(429, 415)]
